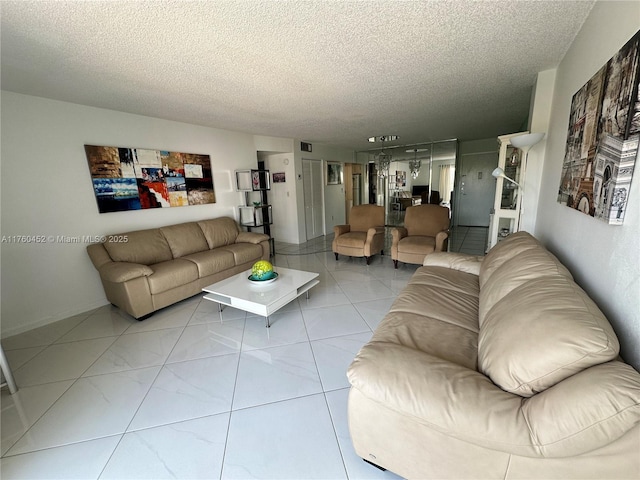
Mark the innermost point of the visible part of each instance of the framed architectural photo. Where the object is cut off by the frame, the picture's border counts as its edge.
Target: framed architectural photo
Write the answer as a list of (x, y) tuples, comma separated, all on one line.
[(602, 140), (334, 173)]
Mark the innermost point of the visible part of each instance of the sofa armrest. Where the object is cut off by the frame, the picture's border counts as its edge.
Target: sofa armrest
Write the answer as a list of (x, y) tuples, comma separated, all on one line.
[(251, 237), (456, 261), (98, 255), (585, 411), (341, 229), (120, 272), (441, 237)]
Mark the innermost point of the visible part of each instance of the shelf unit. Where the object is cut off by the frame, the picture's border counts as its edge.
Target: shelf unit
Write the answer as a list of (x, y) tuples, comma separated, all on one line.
[(505, 218), (254, 213)]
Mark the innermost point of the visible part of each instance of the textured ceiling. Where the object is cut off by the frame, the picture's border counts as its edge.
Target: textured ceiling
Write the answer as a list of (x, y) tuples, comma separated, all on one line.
[(332, 72)]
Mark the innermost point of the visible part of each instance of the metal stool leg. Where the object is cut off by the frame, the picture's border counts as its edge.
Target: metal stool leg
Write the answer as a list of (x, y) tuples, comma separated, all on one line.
[(6, 371)]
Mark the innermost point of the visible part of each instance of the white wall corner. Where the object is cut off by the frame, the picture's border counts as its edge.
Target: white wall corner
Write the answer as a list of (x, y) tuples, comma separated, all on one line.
[(539, 120)]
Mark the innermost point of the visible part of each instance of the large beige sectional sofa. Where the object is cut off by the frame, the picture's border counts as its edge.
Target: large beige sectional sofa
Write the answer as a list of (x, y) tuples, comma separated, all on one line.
[(146, 270), (496, 367)]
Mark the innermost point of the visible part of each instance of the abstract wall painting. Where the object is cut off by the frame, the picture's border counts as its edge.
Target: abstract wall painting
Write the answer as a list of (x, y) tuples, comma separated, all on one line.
[(602, 141), (136, 178)]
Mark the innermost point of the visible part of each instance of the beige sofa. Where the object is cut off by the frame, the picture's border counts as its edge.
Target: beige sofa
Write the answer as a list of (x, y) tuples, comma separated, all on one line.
[(499, 367), (146, 270)]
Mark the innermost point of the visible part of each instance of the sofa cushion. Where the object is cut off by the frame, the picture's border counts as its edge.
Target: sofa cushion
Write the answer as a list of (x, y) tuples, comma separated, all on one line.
[(463, 262), (219, 231), (352, 240), (244, 252), (143, 246), (417, 245), (184, 239), (597, 406), (171, 274), (510, 247), (541, 333), (212, 261), (430, 335), (528, 265)]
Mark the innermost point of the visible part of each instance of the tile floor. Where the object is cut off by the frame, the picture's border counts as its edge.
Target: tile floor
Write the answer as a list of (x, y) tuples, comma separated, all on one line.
[(185, 394)]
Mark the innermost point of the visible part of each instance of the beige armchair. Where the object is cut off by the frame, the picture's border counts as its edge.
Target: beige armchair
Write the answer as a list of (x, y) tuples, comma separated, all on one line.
[(426, 230), (363, 236)]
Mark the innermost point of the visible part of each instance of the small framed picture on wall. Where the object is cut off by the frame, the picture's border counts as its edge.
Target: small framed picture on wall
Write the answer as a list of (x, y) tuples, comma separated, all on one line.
[(334, 173)]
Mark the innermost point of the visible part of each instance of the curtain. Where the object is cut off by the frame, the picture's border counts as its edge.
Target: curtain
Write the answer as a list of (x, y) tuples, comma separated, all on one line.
[(447, 174)]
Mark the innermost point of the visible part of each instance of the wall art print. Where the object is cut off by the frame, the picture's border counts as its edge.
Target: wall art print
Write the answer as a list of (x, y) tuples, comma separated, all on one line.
[(136, 178), (602, 141)]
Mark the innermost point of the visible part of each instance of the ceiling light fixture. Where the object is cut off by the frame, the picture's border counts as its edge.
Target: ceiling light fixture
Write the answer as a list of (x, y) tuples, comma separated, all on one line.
[(415, 163), (383, 159)]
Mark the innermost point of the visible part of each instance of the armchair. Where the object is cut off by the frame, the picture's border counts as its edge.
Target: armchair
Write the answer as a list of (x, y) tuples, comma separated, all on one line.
[(426, 230), (363, 236)]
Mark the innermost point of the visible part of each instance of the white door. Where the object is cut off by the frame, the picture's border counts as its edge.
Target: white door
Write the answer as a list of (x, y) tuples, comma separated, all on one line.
[(313, 207)]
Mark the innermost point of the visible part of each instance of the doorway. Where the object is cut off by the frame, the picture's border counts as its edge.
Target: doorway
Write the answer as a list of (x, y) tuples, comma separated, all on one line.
[(352, 187), (313, 201)]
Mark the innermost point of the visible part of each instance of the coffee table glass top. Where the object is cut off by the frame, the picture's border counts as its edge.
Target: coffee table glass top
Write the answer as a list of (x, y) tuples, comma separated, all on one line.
[(261, 299)]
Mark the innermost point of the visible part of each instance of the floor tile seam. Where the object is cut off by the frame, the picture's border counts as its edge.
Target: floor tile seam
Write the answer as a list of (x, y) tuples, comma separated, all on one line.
[(171, 364), (57, 342), (269, 347), (161, 365), (44, 344), (70, 444), (342, 335), (42, 415), (22, 348), (335, 433), (126, 332), (233, 397), (115, 448), (274, 402), (72, 378), (369, 330), (144, 397), (181, 334), (79, 323)]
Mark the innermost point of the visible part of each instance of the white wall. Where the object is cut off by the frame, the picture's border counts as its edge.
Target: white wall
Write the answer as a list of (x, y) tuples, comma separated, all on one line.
[(604, 259), (47, 190), (539, 118)]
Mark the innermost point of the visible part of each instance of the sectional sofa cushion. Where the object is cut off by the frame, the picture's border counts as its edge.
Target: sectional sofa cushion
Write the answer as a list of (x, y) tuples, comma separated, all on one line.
[(184, 239), (142, 246), (172, 274), (506, 250), (210, 262), (526, 266), (219, 231), (541, 333)]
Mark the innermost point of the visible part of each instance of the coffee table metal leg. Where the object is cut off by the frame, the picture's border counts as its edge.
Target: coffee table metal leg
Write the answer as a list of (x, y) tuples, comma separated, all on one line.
[(268, 323), (220, 308)]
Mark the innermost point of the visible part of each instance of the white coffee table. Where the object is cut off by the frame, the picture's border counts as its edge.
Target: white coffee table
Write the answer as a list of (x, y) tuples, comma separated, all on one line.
[(262, 299)]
